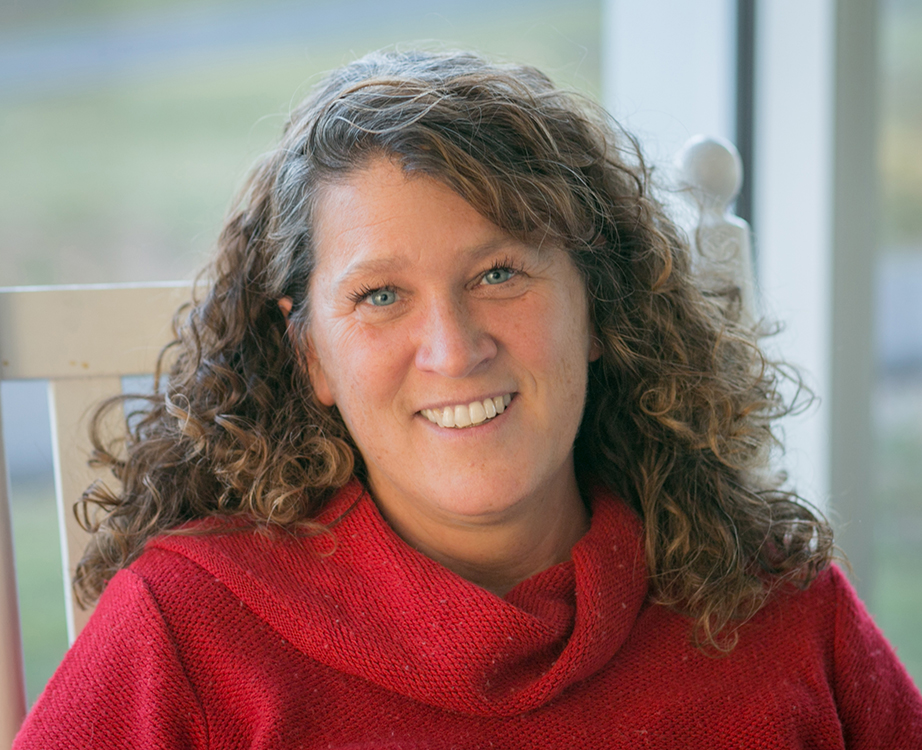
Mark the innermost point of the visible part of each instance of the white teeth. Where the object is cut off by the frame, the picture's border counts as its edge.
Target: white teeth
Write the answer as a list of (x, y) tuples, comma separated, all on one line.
[(465, 415), (462, 416), (478, 412)]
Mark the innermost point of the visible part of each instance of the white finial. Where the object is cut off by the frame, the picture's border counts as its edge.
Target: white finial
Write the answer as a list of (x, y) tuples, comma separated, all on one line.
[(711, 174), (712, 169)]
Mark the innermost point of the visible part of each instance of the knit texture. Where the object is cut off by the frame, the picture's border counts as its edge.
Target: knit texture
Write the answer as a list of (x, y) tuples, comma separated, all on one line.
[(236, 639)]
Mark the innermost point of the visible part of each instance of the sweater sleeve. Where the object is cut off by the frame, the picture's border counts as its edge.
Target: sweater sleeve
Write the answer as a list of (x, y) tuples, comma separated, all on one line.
[(878, 704), (121, 684)]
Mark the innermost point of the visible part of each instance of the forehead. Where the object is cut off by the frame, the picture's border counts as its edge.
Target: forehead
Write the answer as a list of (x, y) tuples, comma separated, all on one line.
[(380, 216)]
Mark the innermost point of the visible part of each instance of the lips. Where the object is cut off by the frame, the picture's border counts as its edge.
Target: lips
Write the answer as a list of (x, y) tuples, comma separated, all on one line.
[(468, 415)]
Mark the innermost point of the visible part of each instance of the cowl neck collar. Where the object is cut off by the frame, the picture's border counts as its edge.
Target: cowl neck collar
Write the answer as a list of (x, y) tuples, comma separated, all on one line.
[(365, 603)]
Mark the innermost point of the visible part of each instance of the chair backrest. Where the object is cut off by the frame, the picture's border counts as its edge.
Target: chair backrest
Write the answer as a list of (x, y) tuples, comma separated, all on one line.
[(84, 339)]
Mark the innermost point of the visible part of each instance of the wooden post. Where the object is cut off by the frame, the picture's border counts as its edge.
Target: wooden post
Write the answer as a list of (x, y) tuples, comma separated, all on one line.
[(12, 678)]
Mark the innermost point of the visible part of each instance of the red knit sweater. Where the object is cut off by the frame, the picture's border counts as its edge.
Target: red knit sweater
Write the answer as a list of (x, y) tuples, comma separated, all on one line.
[(237, 640)]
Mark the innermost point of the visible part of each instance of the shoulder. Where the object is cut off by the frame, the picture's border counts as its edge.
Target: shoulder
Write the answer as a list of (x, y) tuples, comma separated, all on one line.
[(239, 556), (213, 567), (832, 609), (816, 607), (240, 551), (875, 694), (828, 616), (877, 702), (119, 682)]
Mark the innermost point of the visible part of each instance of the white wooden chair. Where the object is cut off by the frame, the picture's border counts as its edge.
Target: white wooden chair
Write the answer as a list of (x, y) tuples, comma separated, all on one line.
[(83, 340)]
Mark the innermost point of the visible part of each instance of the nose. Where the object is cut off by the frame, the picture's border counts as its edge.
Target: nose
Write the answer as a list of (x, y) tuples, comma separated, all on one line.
[(451, 342)]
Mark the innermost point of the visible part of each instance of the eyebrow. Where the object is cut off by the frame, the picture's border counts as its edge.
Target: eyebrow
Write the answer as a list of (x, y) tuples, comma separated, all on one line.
[(393, 264)]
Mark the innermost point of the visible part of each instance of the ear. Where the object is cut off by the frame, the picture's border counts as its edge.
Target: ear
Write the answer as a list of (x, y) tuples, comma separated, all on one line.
[(318, 377), (595, 347), (285, 305), (305, 348)]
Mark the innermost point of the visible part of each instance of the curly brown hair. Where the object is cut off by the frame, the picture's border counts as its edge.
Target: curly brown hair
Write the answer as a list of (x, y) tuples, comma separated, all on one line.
[(680, 405)]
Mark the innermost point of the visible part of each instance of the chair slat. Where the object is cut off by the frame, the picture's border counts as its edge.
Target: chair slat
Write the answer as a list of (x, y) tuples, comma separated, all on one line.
[(62, 332), (71, 403)]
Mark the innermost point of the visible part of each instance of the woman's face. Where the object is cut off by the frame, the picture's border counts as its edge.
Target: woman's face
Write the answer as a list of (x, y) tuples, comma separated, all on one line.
[(424, 315)]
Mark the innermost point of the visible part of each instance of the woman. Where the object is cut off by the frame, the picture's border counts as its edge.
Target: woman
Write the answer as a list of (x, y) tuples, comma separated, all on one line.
[(456, 453)]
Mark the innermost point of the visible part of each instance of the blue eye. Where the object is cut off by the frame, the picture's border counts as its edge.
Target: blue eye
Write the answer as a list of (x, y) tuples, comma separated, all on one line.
[(498, 275), (383, 297)]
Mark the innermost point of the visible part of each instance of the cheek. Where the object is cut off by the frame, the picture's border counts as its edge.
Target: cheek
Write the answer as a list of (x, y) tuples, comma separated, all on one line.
[(359, 367), (561, 341), (567, 350)]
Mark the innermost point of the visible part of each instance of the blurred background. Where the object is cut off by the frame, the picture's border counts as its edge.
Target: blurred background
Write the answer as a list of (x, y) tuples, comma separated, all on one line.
[(126, 126)]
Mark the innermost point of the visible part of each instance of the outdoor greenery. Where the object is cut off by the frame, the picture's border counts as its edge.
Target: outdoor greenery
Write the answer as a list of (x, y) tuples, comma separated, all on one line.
[(128, 179), (130, 182), (897, 502), (41, 581), (897, 407), (901, 125)]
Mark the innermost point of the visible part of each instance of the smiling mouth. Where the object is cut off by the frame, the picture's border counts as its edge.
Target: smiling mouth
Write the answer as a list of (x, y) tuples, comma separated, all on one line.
[(468, 415)]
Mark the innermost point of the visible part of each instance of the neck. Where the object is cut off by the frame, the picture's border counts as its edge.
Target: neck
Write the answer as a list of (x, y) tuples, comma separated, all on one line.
[(499, 552)]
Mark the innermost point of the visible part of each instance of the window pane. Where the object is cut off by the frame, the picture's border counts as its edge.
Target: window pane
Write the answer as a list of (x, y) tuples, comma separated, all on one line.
[(897, 404)]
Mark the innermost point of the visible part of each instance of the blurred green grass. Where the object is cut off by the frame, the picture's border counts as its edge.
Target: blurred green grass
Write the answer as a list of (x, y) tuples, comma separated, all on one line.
[(129, 179), (897, 597), (131, 182), (897, 603), (40, 580), (901, 125)]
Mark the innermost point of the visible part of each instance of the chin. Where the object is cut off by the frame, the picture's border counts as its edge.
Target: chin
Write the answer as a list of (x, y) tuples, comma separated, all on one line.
[(487, 501)]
